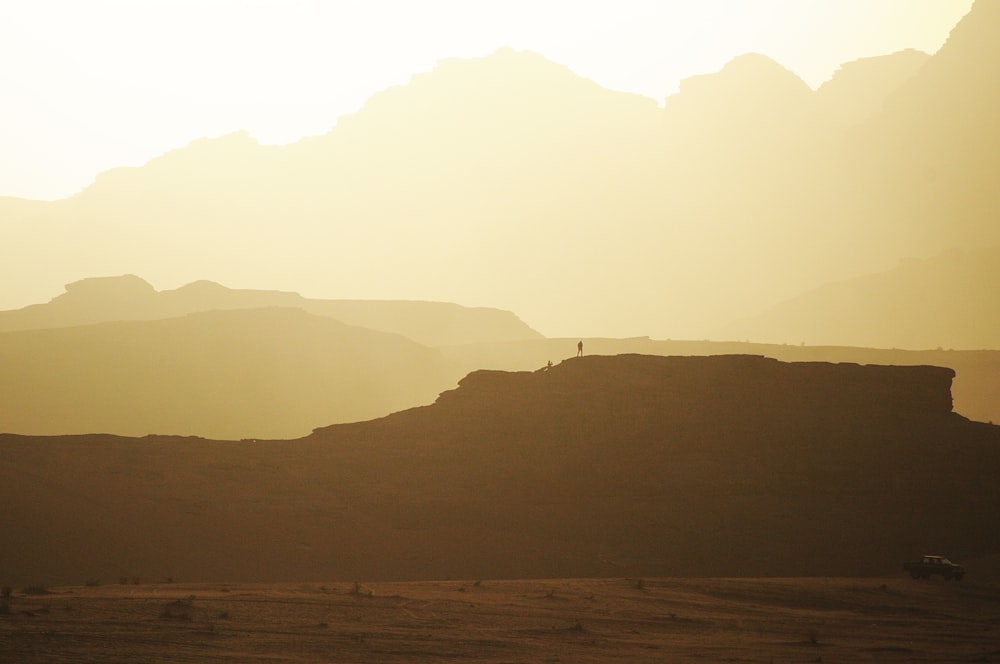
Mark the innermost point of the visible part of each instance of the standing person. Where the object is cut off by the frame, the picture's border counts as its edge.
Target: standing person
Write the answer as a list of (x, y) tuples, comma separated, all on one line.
[(579, 349)]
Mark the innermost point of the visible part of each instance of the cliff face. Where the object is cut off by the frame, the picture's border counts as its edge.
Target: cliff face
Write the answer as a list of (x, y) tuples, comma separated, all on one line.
[(598, 466), (741, 385)]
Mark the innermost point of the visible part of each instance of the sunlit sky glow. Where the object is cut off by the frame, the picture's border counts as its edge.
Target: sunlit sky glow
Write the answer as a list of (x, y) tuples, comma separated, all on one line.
[(87, 86)]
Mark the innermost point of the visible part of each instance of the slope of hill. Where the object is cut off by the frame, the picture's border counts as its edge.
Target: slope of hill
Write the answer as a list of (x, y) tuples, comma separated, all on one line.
[(860, 88), (128, 297), (606, 466), (947, 301), (925, 169), (511, 181), (225, 374)]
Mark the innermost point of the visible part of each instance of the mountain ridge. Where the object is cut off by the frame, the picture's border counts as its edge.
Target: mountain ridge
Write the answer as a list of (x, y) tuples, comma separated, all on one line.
[(128, 297), (240, 373), (513, 161), (948, 300), (598, 466)]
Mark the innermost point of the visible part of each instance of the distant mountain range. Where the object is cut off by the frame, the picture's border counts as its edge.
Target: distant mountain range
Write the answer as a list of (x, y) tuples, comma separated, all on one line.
[(917, 304), (128, 297), (624, 466), (248, 373), (510, 181), (113, 355)]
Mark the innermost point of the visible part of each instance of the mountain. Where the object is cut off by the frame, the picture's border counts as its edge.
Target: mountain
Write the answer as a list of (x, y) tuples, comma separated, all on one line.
[(511, 181), (925, 167), (860, 88), (505, 179), (598, 466), (469, 182), (105, 299), (950, 300), (249, 373)]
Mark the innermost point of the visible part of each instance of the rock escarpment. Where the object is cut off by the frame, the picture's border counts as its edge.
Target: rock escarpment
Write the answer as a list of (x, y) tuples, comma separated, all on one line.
[(598, 466)]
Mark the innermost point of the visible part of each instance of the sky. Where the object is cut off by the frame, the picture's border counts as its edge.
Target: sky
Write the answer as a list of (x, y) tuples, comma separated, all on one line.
[(88, 86)]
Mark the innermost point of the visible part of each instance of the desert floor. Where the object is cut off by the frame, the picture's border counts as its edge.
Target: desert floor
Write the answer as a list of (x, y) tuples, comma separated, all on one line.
[(572, 620)]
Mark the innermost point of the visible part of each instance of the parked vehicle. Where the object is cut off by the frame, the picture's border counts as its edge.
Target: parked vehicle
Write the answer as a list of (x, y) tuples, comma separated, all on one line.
[(929, 565)]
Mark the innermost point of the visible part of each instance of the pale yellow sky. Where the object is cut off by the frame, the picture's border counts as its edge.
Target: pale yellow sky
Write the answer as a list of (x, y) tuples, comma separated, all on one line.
[(87, 86)]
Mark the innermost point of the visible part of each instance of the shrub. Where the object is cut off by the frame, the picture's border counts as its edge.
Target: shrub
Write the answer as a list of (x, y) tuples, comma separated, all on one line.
[(358, 591), (181, 609)]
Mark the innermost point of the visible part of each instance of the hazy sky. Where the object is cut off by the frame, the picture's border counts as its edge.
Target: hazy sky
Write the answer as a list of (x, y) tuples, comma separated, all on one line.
[(86, 86)]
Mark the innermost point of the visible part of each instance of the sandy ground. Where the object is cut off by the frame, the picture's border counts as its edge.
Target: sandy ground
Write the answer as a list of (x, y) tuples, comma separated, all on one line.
[(585, 620)]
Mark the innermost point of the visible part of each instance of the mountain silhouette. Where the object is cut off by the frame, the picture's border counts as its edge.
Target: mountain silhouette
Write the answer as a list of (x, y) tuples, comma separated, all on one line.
[(859, 89), (128, 297), (509, 180), (598, 466), (248, 373), (50, 372), (947, 300), (925, 166), (975, 388)]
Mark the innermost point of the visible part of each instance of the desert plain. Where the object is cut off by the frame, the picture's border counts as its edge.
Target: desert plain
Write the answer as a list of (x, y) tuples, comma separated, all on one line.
[(892, 619)]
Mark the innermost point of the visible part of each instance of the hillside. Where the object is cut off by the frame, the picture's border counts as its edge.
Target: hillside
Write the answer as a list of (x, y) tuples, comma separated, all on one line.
[(127, 297), (859, 89), (511, 181), (946, 301), (925, 167), (601, 466), (248, 373)]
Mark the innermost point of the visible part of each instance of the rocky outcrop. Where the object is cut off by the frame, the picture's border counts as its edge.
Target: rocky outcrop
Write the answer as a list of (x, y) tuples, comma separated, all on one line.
[(741, 384), (598, 466)]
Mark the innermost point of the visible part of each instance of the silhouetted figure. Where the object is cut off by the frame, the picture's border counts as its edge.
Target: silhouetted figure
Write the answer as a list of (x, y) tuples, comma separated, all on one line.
[(579, 349), (549, 365)]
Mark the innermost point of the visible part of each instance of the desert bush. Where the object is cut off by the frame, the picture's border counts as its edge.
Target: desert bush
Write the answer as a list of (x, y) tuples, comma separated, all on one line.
[(358, 591), (6, 592), (180, 609), (93, 582)]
